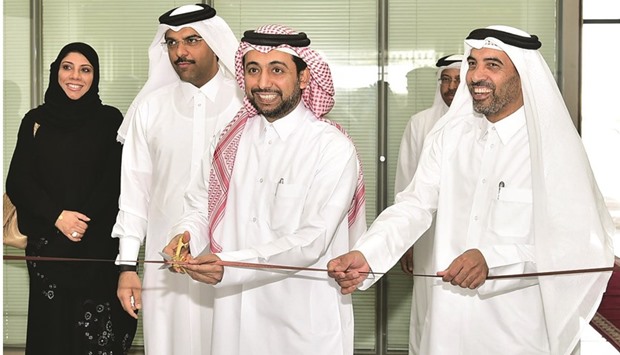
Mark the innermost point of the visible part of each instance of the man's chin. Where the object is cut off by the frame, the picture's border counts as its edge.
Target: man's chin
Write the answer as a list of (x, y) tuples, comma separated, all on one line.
[(480, 108), (267, 110), (271, 115)]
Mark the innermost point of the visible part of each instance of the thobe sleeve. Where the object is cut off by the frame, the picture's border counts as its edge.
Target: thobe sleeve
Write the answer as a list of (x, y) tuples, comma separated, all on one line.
[(508, 260), (398, 227), (325, 210), (136, 175)]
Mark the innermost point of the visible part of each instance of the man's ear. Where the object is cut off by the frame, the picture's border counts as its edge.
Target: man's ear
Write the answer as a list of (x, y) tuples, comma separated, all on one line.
[(304, 78)]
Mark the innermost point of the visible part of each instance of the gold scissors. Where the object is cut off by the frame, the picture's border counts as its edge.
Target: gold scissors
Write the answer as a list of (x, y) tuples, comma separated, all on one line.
[(177, 258)]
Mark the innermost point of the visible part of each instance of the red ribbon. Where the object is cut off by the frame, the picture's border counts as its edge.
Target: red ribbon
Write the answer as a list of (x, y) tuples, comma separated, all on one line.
[(299, 268)]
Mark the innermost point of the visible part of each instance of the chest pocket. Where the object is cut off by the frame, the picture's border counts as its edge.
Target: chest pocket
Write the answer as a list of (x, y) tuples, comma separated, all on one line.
[(285, 210), (511, 213)]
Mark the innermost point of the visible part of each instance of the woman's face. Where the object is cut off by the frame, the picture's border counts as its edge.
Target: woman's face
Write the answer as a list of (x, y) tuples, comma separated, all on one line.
[(75, 75)]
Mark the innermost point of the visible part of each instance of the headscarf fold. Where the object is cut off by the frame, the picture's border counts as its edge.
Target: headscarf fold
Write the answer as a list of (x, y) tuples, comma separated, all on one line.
[(317, 97), (571, 224), (59, 109), (214, 30)]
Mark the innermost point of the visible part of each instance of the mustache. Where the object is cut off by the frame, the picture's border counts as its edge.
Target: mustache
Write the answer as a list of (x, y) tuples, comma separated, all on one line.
[(256, 91), (486, 84), (184, 60)]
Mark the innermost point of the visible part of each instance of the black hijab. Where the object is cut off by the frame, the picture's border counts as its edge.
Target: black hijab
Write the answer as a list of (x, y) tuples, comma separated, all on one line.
[(59, 109)]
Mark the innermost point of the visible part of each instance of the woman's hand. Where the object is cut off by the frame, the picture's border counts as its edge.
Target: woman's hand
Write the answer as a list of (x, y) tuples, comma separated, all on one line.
[(72, 224)]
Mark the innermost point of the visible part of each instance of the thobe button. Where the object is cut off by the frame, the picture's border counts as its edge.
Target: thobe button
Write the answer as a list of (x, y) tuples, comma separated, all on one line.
[(253, 219), (269, 141), (484, 181), (475, 218), (260, 180)]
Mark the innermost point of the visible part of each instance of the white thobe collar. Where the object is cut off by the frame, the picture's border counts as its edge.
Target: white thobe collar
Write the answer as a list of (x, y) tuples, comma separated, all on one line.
[(506, 128), (209, 89), (285, 126)]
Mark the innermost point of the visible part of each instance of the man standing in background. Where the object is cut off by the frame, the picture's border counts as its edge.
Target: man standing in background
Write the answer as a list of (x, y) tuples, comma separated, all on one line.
[(189, 97), (418, 126)]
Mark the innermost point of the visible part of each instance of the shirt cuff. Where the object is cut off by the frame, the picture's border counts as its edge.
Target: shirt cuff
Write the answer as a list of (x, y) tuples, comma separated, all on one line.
[(237, 275), (129, 248), (369, 281), (377, 256)]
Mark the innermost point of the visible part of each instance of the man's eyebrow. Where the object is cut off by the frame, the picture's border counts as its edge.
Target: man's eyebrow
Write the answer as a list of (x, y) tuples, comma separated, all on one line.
[(492, 59), (486, 59), (186, 37), (274, 62)]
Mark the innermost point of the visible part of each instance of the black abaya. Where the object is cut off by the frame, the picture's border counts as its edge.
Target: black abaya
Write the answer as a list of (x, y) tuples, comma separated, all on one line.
[(71, 163)]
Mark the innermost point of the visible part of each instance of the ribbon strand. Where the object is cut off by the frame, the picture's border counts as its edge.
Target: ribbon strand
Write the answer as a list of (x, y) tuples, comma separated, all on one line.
[(300, 268)]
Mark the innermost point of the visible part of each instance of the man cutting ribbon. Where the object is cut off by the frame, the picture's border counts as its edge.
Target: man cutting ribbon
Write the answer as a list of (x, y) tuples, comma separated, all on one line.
[(284, 187), (508, 128)]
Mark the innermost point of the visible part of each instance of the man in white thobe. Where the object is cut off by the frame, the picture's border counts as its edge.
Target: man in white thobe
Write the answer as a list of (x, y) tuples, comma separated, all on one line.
[(418, 126), (284, 188), (189, 97), (513, 192)]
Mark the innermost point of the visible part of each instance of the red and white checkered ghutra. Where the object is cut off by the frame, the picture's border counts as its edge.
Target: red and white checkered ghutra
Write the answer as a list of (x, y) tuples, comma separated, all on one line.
[(317, 97)]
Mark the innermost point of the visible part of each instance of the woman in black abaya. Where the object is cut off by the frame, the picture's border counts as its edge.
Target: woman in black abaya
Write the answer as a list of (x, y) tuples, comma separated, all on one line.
[(64, 180)]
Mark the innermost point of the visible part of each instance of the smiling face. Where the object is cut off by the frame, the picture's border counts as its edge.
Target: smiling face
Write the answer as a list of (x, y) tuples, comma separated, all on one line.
[(192, 58), (272, 83), (494, 83), (75, 75)]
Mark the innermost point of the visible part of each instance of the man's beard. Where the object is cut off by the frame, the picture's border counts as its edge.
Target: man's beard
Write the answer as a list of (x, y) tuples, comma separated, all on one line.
[(500, 99), (286, 106)]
